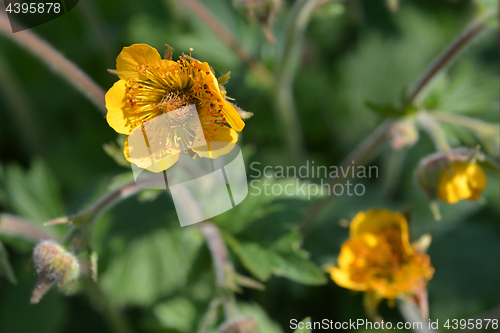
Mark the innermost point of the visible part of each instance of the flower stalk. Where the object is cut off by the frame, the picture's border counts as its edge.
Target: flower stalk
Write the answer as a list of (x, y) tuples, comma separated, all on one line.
[(435, 131), (415, 93), (55, 61)]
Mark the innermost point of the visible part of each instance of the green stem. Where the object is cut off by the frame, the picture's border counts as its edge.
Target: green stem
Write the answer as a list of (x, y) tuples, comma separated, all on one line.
[(19, 227), (359, 156), (287, 64), (479, 126), (415, 93), (56, 61), (434, 129), (209, 317)]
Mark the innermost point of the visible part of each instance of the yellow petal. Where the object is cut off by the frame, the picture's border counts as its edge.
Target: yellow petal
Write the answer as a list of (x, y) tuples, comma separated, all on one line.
[(119, 115), (143, 159), (220, 141), (374, 221), (232, 117), (477, 180), (346, 256), (341, 278), (133, 56), (463, 180)]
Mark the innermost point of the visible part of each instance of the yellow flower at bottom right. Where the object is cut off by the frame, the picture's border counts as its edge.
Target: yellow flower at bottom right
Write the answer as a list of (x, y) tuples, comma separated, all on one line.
[(379, 258), (462, 180)]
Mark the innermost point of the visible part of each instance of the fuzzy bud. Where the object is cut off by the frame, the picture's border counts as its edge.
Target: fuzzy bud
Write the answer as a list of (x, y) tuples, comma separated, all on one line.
[(452, 176), (263, 12), (240, 325), (54, 265), (430, 169)]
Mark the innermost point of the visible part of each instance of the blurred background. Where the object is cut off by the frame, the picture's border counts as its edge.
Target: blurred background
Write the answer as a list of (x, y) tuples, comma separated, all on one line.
[(52, 161)]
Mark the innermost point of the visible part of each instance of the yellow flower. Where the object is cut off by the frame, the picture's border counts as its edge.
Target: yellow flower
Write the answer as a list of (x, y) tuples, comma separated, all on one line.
[(182, 92), (462, 180), (378, 257)]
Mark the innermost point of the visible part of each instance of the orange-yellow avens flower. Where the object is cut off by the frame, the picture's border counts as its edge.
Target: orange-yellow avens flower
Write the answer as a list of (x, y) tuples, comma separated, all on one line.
[(379, 258), (185, 93), (461, 180)]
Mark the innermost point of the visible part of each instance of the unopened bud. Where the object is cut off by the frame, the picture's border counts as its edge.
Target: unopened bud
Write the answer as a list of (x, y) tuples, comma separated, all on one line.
[(54, 265), (240, 325), (263, 12), (452, 176)]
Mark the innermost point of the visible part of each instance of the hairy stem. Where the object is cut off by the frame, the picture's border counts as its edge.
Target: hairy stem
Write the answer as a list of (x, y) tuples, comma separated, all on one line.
[(19, 227), (464, 39), (56, 61), (473, 124), (288, 59), (198, 9), (435, 131), (360, 155)]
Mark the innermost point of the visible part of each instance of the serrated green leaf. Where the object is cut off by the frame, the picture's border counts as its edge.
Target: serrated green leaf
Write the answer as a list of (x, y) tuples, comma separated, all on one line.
[(267, 211), (153, 266), (299, 268), (284, 258), (466, 90), (34, 194), (303, 324), (254, 257)]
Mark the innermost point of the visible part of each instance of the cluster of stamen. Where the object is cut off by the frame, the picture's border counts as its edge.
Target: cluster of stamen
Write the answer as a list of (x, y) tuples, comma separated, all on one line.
[(179, 91)]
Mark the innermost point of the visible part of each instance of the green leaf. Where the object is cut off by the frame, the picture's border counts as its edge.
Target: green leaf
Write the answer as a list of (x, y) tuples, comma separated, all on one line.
[(34, 194), (265, 323), (153, 266), (303, 323), (5, 267), (466, 90), (177, 313), (263, 211), (283, 258), (386, 110), (224, 78)]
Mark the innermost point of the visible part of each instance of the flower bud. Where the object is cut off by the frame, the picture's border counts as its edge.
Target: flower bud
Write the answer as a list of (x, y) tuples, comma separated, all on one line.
[(452, 176), (240, 325), (263, 12), (54, 265)]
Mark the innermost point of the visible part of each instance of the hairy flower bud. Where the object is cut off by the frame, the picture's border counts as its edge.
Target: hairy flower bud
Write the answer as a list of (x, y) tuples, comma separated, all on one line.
[(263, 12), (441, 176), (240, 325), (54, 265)]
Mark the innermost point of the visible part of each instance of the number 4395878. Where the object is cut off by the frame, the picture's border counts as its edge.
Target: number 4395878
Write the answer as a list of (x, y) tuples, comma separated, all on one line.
[(40, 8), (471, 324)]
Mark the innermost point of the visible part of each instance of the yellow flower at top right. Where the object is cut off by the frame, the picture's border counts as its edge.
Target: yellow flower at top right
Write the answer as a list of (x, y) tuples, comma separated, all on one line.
[(460, 181)]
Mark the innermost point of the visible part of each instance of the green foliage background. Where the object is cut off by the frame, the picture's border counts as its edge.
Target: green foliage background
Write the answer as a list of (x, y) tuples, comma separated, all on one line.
[(52, 163)]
